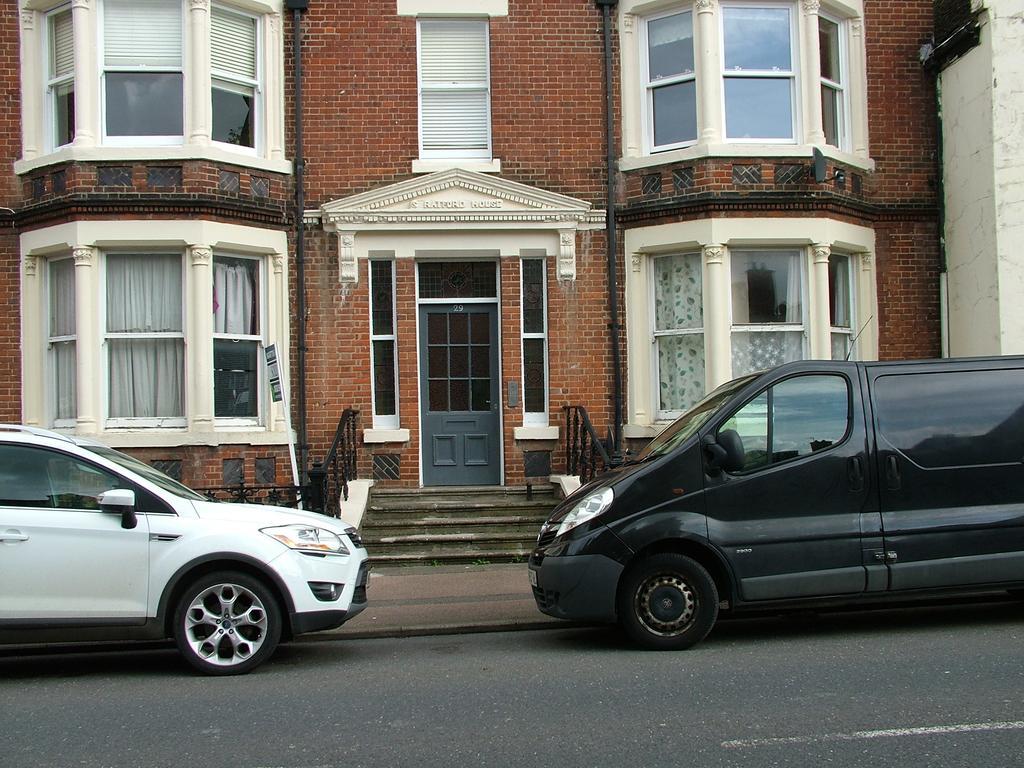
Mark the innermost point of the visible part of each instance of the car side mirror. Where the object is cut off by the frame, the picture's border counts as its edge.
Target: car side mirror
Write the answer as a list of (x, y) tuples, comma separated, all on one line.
[(724, 452), (121, 500)]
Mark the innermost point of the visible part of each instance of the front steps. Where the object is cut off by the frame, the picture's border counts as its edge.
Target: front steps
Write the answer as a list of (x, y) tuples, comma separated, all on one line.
[(430, 526)]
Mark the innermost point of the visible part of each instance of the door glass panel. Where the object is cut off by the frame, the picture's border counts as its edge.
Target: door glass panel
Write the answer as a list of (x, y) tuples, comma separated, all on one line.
[(481, 367), (458, 333), (458, 280), (438, 395), (437, 329), (751, 423), (459, 361), (809, 413), (481, 323), (437, 362), (459, 395), (481, 395)]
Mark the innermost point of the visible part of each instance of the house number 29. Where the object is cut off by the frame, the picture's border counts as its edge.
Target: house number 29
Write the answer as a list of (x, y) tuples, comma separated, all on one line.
[(457, 308)]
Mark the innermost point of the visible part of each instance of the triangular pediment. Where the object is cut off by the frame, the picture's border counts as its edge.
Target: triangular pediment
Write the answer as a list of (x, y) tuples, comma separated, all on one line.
[(452, 196)]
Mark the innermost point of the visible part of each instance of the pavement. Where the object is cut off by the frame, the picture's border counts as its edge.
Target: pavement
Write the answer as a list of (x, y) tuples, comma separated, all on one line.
[(403, 601)]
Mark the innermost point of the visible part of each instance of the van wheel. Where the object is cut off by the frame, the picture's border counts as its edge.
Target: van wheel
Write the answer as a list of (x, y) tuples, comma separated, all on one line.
[(668, 602), (227, 623)]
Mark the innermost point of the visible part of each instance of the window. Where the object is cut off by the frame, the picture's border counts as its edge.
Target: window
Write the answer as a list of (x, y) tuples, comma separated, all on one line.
[(237, 339), (61, 343), (759, 77), (454, 83), (840, 306), (142, 70), (383, 342), (678, 332), (833, 89), (234, 67), (767, 309), (60, 85), (670, 81), (535, 378), (794, 418), (145, 339)]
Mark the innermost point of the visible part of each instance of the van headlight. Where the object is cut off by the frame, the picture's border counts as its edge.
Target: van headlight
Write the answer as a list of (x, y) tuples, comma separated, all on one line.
[(588, 508), (308, 538)]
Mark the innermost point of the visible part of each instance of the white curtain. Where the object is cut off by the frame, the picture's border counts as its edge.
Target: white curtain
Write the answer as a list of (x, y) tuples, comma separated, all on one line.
[(62, 326), (840, 269), (794, 312), (234, 293), (144, 299)]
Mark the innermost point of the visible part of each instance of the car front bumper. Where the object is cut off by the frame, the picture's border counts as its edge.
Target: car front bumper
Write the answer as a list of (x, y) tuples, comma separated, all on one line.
[(576, 587)]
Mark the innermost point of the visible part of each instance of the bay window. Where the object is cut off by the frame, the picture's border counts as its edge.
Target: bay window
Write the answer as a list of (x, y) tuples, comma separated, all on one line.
[(670, 80), (142, 70), (60, 82), (535, 343), (759, 73), (833, 79), (145, 339), (234, 70), (840, 305), (678, 304), (767, 309), (237, 340)]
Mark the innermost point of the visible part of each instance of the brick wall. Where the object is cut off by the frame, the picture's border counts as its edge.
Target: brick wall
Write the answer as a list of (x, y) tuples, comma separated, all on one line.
[(10, 261)]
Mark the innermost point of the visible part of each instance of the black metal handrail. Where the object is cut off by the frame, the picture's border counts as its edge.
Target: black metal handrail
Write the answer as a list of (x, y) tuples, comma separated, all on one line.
[(585, 453), (277, 495), (328, 479)]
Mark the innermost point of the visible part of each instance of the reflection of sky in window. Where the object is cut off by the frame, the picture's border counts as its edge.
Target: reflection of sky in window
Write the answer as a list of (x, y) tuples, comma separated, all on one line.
[(757, 38), (758, 108), (809, 408), (670, 44)]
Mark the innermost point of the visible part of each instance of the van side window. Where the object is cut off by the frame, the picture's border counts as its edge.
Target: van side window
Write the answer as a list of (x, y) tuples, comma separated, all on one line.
[(794, 418), (950, 419)]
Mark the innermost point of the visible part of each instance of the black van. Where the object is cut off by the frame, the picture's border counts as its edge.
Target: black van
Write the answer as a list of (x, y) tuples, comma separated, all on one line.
[(813, 483)]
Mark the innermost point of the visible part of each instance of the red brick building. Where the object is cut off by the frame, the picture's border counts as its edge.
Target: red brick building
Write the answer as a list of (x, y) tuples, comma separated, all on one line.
[(452, 280)]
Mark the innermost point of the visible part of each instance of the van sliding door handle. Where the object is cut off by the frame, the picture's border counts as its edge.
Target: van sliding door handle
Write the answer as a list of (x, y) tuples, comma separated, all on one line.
[(855, 473), (892, 473)]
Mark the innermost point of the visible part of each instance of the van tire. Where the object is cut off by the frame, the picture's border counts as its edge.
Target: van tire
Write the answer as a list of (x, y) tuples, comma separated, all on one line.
[(227, 623), (667, 602)]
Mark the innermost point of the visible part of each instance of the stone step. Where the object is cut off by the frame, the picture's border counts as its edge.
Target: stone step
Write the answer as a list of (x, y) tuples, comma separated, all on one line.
[(431, 519), (509, 555), (523, 530)]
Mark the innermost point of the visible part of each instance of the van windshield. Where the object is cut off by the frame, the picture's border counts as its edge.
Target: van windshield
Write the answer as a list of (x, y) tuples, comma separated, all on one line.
[(687, 424)]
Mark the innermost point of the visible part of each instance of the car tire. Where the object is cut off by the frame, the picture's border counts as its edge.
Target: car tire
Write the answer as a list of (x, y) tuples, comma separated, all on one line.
[(667, 602), (227, 623)]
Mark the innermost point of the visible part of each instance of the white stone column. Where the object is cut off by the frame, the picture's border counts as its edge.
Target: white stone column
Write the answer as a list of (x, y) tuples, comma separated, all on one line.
[(632, 93), (813, 131), (278, 333), (718, 365), (272, 97), (87, 68), (90, 320), (198, 112), (32, 79), (709, 72), (33, 304), (639, 342), (200, 335), (867, 308), (820, 320), (858, 85)]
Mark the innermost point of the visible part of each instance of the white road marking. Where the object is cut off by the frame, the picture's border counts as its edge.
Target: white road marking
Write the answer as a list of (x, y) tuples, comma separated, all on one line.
[(887, 733)]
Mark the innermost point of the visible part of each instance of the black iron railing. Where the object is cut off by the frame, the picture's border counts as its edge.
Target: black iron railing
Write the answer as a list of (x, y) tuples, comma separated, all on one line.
[(586, 455), (328, 479), (278, 495)]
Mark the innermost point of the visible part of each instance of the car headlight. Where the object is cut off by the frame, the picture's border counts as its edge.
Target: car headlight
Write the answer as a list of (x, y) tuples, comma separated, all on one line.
[(308, 538), (588, 508)]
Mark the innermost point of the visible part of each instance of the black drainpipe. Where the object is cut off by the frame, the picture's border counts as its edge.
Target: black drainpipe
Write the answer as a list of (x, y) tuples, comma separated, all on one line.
[(297, 7), (613, 283)]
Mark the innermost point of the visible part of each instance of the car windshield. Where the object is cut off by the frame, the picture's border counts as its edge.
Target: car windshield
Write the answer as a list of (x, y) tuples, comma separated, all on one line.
[(687, 424), (153, 475)]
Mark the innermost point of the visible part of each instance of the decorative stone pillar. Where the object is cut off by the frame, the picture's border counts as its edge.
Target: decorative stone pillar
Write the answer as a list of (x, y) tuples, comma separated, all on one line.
[(87, 102), (200, 334), (274, 84), (709, 73), (200, 127), (858, 89), (33, 342), (866, 313), (566, 254), (279, 334), (718, 365), (32, 79), (821, 322), (348, 270), (89, 335), (632, 132), (813, 132)]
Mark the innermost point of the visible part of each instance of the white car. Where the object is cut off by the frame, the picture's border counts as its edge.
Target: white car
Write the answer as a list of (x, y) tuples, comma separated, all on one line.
[(96, 544)]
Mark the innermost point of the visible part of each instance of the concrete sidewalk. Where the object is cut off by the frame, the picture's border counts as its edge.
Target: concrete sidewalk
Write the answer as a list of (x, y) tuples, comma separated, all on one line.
[(445, 599)]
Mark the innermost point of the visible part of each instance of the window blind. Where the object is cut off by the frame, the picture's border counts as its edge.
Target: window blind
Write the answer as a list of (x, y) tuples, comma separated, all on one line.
[(63, 45), (142, 33), (454, 81), (233, 43)]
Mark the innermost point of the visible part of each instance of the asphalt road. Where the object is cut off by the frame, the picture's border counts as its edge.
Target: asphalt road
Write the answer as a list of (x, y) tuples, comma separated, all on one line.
[(937, 686)]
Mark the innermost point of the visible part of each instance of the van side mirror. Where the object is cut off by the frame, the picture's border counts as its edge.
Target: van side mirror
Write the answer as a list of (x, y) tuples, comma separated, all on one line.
[(120, 500), (724, 452)]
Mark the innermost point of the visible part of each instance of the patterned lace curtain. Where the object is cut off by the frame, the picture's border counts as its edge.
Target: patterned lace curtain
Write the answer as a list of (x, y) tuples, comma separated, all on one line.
[(679, 331)]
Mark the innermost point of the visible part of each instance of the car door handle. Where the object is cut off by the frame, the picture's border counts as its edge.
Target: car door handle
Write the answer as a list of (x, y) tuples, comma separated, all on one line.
[(13, 537), (855, 473), (893, 481)]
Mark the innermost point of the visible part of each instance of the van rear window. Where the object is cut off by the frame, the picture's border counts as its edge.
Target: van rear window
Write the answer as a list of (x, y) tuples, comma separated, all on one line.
[(953, 418)]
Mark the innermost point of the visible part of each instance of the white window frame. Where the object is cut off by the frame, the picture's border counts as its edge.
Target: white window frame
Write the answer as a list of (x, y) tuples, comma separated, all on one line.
[(54, 82), (260, 338), (484, 86), (792, 75), (104, 70), (805, 319), (840, 88), (51, 340), (648, 86), (852, 269), (385, 421), (535, 418), (656, 335), (226, 81), (119, 422)]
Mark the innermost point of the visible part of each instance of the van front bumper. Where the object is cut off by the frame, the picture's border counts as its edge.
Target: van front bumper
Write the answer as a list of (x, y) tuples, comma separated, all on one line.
[(576, 587)]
